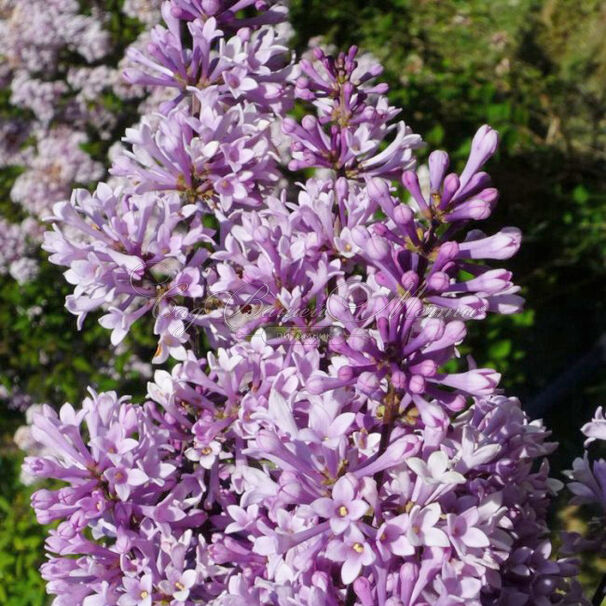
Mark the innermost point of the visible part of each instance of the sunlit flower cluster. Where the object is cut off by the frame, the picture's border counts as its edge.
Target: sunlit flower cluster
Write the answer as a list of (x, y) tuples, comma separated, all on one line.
[(318, 439)]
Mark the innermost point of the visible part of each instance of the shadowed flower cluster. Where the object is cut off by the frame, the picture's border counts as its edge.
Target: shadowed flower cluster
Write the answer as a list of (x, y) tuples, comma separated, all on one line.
[(57, 65)]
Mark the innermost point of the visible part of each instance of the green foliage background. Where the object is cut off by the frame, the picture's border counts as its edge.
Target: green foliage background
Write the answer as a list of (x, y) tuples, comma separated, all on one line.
[(536, 71)]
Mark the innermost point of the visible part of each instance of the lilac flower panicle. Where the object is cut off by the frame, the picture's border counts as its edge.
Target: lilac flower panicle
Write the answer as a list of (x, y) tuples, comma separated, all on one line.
[(318, 438), (587, 488)]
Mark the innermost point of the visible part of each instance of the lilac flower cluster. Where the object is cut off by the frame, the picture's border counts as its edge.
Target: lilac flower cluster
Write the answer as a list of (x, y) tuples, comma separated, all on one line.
[(248, 65), (333, 448), (140, 246), (34, 33), (146, 11), (58, 104), (14, 248), (56, 165), (352, 120), (12, 244), (587, 483)]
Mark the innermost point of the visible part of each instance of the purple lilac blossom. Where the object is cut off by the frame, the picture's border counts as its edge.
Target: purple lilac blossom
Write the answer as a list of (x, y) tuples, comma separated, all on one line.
[(146, 11), (353, 119), (12, 244), (587, 485), (249, 65), (320, 453), (288, 512), (214, 148), (59, 164), (62, 104)]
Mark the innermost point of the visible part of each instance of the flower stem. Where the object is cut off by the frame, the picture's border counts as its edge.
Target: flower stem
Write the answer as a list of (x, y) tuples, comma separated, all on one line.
[(391, 411), (600, 592)]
